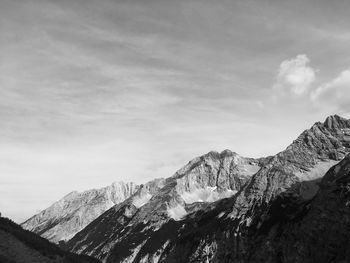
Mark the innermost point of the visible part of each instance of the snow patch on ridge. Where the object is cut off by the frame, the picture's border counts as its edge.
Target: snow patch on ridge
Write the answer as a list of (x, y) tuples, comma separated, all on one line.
[(141, 200), (208, 194), (177, 212), (249, 169)]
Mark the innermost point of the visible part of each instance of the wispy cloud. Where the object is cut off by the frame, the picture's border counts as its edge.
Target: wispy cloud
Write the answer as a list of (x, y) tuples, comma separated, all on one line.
[(335, 94)]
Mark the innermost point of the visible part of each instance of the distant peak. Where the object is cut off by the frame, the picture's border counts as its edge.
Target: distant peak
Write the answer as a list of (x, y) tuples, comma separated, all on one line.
[(227, 153), (71, 194), (335, 121), (122, 183), (221, 154), (334, 117)]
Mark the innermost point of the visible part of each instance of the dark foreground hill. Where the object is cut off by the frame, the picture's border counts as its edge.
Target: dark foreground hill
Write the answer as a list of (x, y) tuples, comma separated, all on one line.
[(21, 246)]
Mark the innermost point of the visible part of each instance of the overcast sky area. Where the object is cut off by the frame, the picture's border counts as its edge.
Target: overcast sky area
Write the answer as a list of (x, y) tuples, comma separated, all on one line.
[(94, 92)]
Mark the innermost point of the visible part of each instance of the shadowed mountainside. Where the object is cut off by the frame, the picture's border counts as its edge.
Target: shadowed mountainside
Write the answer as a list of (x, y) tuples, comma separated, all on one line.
[(21, 246), (292, 230)]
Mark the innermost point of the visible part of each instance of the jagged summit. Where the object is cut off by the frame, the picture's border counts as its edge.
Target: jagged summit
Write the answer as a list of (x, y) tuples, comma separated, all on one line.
[(336, 122), (224, 153), (328, 140)]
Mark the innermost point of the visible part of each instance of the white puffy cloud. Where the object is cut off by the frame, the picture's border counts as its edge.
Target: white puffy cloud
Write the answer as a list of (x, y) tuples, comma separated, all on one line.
[(334, 94), (295, 75)]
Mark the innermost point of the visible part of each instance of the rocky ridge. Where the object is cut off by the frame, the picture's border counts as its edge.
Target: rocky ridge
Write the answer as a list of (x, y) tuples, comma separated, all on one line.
[(292, 230), (319, 232), (63, 219), (203, 180), (247, 227)]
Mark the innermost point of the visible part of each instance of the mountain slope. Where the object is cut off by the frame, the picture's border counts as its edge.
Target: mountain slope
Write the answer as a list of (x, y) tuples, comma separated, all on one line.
[(168, 228), (21, 246), (248, 227), (293, 230), (66, 217), (205, 179), (321, 232)]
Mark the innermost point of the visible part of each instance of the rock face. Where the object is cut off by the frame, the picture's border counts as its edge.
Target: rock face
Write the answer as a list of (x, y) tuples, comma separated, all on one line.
[(314, 230), (72, 213), (272, 219), (317, 233), (188, 219), (119, 234), (21, 246)]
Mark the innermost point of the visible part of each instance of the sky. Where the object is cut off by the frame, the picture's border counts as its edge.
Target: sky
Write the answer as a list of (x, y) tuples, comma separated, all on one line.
[(97, 91)]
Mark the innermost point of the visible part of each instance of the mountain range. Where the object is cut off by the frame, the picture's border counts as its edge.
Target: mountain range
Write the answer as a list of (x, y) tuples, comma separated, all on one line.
[(220, 207)]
